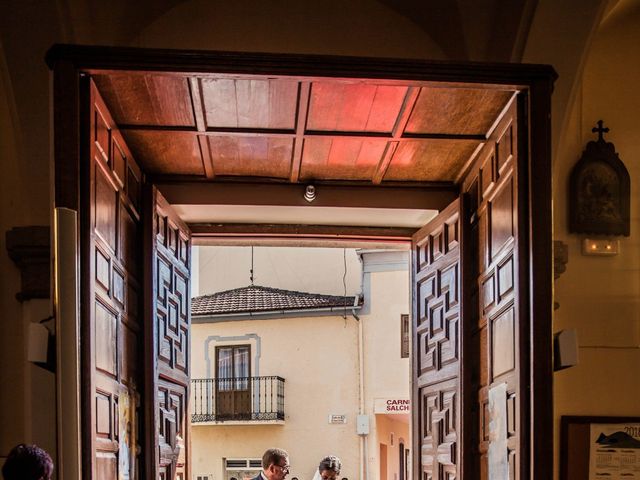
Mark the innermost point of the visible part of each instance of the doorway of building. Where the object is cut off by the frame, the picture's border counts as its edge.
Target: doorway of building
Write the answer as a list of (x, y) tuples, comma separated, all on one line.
[(117, 159), (383, 462), (322, 332)]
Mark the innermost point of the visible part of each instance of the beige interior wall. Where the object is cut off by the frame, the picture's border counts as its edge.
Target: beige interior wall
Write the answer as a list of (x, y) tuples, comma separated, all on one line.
[(356, 27), (600, 296), (26, 391), (12, 373)]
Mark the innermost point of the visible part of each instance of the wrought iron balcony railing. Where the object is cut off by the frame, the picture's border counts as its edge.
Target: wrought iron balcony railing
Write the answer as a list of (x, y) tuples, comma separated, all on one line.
[(237, 399)]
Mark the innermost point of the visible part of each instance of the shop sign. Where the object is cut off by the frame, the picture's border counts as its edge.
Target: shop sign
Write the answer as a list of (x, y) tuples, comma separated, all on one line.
[(393, 405)]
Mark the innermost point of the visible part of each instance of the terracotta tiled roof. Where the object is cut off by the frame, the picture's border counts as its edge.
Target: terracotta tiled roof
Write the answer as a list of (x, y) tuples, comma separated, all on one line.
[(263, 299)]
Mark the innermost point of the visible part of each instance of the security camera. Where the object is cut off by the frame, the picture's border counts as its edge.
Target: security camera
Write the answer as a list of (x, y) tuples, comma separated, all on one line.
[(310, 193)]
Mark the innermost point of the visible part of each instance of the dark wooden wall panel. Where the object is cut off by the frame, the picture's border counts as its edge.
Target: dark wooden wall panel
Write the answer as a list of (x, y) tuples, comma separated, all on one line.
[(470, 111), (111, 368), (147, 99), (180, 155), (354, 107), (424, 160), (251, 156), (244, 103), (344, 158)]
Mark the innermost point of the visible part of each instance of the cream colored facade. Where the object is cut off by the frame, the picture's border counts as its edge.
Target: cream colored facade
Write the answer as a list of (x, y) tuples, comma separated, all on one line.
[(318, 356)]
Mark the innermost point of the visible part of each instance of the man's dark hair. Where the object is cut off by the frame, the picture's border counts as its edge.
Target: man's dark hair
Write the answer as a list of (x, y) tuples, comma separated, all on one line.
[(27, 462), (274, 456)]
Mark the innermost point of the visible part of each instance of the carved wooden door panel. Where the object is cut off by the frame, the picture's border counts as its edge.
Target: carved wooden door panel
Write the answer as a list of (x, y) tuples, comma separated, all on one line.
[(112, 334), (436, 339), (493, 317), (168, 339)]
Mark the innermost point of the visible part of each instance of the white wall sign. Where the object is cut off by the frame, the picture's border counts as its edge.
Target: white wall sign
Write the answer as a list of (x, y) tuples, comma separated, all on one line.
[(394, 405), (333, 418)]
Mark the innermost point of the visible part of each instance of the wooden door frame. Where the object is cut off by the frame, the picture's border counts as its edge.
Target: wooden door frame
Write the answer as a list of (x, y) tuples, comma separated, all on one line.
[(70, 62)]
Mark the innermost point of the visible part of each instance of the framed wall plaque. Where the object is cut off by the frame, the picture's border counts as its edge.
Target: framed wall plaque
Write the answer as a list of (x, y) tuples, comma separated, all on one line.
[(599, 190), (594, 448)]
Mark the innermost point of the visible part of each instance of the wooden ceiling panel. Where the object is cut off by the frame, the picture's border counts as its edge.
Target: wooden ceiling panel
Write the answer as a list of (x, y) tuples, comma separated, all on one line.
[(159, 153), (358, 107), (251, 156), (456, 111), (300, 129), (156, 100), (260, 104), (430, 160), (340, 158)]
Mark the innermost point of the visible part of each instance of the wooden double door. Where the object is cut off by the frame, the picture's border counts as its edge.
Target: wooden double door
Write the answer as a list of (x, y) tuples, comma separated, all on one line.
[(481, 348)]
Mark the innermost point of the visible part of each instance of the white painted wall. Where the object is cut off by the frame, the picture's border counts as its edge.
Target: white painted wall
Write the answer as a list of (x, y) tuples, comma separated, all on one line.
[(316, 270), (387, 375)]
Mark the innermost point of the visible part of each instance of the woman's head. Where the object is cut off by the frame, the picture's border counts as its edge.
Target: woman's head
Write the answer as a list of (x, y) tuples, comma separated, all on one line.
[(329, 467), (27, 462)]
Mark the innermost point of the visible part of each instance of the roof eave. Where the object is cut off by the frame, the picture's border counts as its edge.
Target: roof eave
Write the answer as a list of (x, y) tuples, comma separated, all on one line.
[(273, 314)]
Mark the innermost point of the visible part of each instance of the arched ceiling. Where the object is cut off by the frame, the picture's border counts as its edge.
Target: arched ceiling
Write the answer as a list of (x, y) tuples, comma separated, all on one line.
[(486, 30), (490, 30)]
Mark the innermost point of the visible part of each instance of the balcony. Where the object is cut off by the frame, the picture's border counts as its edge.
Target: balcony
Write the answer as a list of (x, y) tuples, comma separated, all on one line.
[(237, 400)]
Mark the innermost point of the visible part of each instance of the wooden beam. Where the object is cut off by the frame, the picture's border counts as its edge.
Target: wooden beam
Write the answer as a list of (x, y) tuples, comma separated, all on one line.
[(197, 104), (233, 64), (324, 236), (66, 125), (283, 133), (301, 124), (409, 102), (205, 154), (237, 193), (315, 231), (385, 161)]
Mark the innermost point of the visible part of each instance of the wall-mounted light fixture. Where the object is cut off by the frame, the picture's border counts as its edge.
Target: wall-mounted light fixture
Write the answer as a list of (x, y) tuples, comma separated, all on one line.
[(600, 246), (310, 193)]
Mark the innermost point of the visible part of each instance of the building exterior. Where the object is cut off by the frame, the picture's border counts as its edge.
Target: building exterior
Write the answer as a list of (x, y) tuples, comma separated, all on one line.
[(313, 374)]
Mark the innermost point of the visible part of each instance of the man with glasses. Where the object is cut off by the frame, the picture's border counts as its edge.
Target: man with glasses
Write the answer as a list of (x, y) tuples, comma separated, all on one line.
[(275, 465)]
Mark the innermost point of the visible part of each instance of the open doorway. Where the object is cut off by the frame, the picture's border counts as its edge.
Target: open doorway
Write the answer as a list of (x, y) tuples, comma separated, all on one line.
[(302, 348), (367, 133)]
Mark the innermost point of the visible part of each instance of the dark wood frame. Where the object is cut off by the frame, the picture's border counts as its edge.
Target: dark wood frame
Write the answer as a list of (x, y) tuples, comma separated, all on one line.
[(405, 330), (70, 62), (567, 441)]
